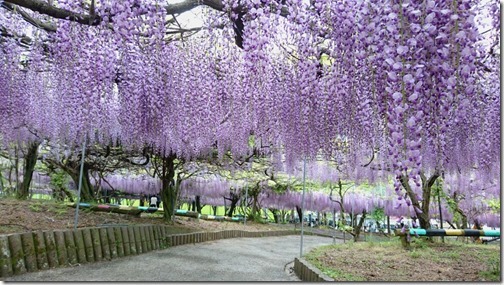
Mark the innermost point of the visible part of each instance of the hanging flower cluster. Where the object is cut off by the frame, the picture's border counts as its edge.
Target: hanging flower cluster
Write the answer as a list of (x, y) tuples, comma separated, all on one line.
[(132, 184)]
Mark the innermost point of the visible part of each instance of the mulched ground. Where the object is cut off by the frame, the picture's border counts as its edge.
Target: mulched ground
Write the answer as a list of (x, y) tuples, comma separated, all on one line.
[(30, 215), (451, 261)]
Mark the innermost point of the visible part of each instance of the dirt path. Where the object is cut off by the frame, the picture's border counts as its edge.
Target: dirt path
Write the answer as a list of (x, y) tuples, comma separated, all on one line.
[(238, 259)]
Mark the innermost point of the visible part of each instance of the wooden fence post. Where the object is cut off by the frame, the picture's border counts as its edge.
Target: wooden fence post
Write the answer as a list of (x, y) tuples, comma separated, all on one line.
[(112, 242), (121, 241), (95, 238), (28, 250), (17, 254), (61, 249), (80, 246), (52, 256), (5, 257), (104, 243)]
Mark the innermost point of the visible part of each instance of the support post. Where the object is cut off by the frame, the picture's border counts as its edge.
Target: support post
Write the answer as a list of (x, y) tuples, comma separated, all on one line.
[(246, 196), (388, 225), (245, 209), (439, 205), (302, 209), (76, 222)]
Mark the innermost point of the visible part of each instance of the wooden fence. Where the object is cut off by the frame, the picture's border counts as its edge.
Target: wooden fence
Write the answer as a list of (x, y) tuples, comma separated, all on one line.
[(41, 250), (308, 272)]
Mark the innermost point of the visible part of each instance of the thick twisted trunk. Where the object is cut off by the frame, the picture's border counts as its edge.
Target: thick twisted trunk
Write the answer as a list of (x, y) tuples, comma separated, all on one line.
[(30, 159), (87, 194), (300, 213), (168, 196), (422, 211), (358, 228), (232, 207), (199, 207), (168, 188)]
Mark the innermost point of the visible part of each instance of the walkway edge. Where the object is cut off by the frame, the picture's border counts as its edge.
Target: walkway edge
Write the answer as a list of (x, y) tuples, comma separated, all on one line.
[(308, 272), (31, 251)]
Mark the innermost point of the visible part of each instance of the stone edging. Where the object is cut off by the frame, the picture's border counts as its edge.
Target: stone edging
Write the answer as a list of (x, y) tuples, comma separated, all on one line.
[(309, 273), (41, 250)]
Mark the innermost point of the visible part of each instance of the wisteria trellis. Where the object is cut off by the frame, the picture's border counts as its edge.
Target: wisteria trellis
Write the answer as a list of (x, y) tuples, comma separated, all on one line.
[(413, 81)]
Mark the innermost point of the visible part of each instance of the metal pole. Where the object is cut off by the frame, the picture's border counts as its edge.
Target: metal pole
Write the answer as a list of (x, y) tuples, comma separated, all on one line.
[(76, 221), (302, 208), (246, 195), (388, 225), (245, 209), (439, 204), (172, 203)]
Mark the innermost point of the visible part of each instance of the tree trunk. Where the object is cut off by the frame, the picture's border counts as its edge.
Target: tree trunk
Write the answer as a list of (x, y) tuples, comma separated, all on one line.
[(341, 201), (1, 182), (60, 193), (343, 219), (464, 222), (16, 170), (334, 217), (300, 214), (198, 204), (214, 210), (476, 226), (422, 211), (168, 199), (168, 186), (87, 188), (424, 218), (234, 201), (255, 207), (357, 229), (9, 177), (275, 215), (23, 189), (232, 207)]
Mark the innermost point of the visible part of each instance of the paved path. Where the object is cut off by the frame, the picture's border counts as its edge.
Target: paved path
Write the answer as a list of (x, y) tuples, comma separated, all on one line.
[(236, 259)]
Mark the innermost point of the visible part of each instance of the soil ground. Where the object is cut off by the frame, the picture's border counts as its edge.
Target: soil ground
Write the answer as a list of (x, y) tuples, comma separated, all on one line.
[(36, 214), (426, 261)]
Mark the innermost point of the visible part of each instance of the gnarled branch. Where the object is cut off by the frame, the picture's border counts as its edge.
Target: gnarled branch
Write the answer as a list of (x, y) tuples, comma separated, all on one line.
[(93, 19), (35, 22), (371, 160), (43, 7)]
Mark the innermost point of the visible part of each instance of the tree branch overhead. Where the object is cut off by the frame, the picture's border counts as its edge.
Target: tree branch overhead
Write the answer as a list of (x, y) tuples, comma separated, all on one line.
[(91, 19)]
